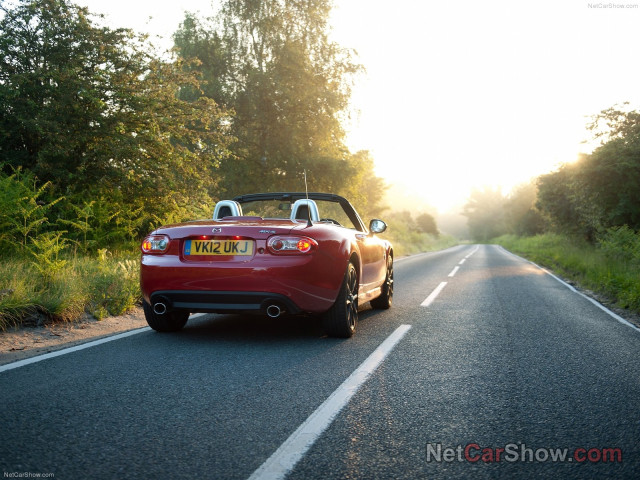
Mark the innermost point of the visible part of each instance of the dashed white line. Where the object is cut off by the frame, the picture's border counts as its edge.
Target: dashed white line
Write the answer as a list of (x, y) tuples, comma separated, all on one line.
[(454, 271), (472, 252), (429, 300), (293, 449), (462, 261)]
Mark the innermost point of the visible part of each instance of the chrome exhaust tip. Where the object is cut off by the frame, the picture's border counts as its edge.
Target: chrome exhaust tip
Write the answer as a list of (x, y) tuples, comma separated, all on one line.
[(274, 311), (159, 308)]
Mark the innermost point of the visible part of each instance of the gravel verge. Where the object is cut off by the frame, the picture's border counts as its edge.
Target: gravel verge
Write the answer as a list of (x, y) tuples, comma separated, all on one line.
[(26, 342)]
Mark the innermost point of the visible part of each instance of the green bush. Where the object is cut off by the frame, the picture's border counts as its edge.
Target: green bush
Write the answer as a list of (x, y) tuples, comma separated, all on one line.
[(16, 293), (107, 285), (621, 243), (115, 284)]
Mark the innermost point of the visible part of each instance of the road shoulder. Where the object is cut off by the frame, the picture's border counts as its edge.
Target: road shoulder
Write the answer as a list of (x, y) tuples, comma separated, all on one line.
[(26, 342)]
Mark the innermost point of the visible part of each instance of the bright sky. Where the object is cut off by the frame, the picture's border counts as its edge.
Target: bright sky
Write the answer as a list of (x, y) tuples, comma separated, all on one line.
[(466, 93)]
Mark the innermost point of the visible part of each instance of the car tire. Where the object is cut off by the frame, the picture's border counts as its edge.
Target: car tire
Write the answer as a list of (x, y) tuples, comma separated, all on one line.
[(342, 318), (385, 299), (168, 322)]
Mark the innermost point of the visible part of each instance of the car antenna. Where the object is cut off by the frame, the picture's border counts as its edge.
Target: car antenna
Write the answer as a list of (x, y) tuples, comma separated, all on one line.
[(306, 192)]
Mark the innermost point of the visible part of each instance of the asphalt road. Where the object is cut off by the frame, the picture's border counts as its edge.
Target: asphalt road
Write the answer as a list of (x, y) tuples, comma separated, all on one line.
[(503, 369)]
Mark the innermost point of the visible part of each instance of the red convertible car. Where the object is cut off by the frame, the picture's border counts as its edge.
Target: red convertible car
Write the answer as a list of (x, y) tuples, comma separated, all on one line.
[(268, 253)]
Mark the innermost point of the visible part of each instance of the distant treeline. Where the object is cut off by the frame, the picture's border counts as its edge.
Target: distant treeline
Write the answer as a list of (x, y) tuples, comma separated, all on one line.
[(101, 138), (596, 198)]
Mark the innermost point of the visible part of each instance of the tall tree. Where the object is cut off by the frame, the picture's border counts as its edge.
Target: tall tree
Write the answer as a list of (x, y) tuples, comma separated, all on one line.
[(521, 215), (485, 214), (427, 224), (564, 199), (354, 178), (601, 189), (289, 86), (88, 108), (611, 174)]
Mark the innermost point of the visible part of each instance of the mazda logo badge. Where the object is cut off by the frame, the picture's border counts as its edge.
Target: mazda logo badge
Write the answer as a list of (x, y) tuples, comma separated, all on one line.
[(217, 230)]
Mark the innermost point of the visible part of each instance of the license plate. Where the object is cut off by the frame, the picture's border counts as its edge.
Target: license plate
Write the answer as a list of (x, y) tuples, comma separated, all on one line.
[(218, 247)]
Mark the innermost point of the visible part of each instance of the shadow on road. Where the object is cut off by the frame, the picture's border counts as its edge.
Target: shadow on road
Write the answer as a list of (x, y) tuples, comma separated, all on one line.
[(260, 328)]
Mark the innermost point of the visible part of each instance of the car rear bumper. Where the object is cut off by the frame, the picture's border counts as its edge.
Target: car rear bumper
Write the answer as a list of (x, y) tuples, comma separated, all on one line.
[(222, 302), (300, 284)]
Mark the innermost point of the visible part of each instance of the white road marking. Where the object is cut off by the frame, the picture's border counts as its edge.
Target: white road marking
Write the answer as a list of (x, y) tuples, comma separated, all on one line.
[(454, 271), (39, 358), (429, 300), (462, 261), (472, 252), (570, 287), (293, 449)]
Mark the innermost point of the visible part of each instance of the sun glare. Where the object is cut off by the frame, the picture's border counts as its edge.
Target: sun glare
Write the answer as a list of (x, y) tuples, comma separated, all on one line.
[(462, 95), (449, 104)]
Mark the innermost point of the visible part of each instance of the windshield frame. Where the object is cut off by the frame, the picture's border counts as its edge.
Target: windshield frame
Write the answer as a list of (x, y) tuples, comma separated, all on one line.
[(291, 197)]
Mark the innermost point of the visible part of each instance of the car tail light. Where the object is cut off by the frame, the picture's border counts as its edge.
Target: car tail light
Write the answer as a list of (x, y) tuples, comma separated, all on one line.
[(155, 244), (280, 245)]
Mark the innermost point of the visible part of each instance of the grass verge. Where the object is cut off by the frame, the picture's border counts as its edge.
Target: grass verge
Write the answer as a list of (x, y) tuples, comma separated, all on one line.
[(610, 274), (107, 285)]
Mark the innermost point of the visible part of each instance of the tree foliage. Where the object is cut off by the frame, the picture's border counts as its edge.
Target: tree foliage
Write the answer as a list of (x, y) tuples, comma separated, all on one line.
[(490, 213), (600, 191), (427, 224), (485, 213), (272, 62), (593, 198), (89, 109), (109, 139), (522, 217)]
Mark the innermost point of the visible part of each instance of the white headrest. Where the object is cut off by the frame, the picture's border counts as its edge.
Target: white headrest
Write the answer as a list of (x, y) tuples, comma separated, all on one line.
[(303, 209), (227, 208)]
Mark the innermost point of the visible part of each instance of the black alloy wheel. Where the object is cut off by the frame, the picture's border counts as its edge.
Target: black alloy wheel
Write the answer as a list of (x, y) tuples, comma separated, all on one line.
[(341, 319)]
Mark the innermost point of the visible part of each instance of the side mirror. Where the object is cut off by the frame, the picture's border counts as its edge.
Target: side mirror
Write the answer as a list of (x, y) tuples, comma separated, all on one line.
[(377, 226)]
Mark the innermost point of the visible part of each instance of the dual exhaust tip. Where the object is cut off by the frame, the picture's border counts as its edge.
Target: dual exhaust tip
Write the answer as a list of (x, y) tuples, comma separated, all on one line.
[(273, 310)]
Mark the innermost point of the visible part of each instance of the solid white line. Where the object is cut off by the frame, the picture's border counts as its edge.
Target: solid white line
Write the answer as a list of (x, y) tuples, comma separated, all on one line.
[(570, 287), (433, 295), (454, 271), (595, 302), (39, 358), (29, 361), (293, 449), (462, 261)]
